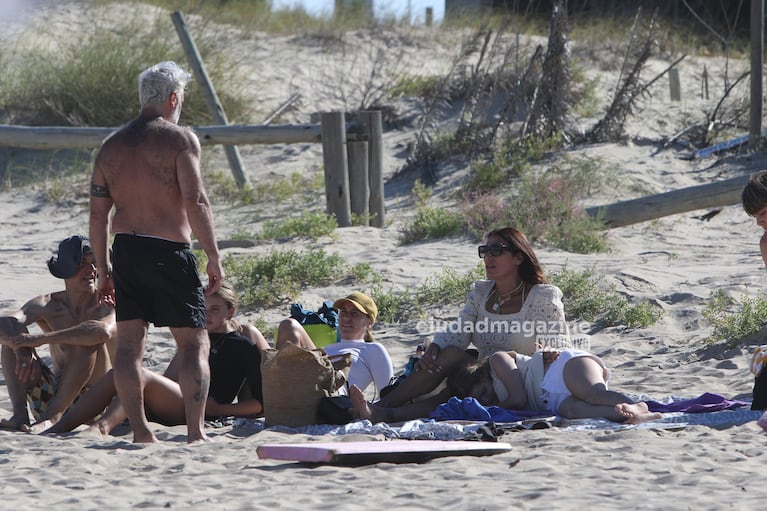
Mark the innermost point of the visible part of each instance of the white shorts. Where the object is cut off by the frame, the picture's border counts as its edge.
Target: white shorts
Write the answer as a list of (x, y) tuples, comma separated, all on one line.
[(553, 387)]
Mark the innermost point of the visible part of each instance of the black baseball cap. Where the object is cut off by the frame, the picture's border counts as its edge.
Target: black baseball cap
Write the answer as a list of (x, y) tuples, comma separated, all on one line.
[(67, 261)]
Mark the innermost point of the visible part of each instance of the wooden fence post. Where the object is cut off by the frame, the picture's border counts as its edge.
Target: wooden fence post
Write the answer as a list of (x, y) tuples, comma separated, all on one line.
[(333, 129), (757, 56), (372, 126), (209, 93), (359, 189), (674, 84)]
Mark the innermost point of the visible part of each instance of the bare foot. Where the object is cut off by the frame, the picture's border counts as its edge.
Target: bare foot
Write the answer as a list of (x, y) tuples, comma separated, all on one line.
[(762, 422), (97, 428), (16, 423), (360, 406), (636, 413), (144, 437), (41, 427), (198, 440), (361, 409)]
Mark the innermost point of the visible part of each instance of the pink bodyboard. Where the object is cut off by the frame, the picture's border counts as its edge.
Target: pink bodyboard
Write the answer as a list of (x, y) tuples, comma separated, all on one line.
[(364, 453)]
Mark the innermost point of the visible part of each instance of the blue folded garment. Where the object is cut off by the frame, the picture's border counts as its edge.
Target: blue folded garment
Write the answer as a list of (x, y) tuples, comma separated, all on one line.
[(471, 409)]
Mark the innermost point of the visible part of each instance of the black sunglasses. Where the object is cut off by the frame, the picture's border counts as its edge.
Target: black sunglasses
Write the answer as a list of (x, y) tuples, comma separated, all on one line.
[(495, 249)]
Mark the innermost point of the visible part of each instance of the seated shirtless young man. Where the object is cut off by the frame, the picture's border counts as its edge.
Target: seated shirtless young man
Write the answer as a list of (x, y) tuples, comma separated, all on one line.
[(77, 330)]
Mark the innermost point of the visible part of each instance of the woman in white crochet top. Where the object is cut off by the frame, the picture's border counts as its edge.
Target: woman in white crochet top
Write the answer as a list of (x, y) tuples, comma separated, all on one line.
[(514, 309)]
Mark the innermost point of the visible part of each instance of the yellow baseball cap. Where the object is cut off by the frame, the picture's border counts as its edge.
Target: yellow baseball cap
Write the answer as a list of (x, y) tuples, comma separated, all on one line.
[(361, 301)]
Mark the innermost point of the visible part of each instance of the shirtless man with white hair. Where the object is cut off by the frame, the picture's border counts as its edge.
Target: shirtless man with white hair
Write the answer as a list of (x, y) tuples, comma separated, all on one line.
[(149, 172), (78, 331)]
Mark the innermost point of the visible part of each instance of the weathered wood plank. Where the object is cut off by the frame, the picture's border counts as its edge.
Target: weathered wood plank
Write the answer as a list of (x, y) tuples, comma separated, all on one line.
[(60, 137), (620, 214)]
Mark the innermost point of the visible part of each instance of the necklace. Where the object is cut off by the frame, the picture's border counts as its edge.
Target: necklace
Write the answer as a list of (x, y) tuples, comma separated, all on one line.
[(500, 300)]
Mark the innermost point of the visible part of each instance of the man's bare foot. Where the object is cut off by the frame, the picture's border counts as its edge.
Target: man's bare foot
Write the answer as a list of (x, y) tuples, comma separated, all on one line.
[(762, 422), (636, 413), (16, 423), (144, 436)]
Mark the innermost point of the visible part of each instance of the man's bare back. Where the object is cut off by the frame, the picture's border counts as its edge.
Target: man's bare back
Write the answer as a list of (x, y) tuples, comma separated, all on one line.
[(146, 165)]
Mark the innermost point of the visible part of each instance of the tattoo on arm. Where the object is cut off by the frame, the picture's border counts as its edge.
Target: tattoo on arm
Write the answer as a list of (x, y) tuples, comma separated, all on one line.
[(99, 191)]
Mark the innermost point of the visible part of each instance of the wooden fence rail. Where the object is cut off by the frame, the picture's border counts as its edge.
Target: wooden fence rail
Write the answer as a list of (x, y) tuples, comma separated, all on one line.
[(709, 195), (59, 137), (333, 132)]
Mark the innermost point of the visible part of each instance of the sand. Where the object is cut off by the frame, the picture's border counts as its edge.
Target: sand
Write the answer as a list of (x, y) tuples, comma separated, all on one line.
[(675, 262)]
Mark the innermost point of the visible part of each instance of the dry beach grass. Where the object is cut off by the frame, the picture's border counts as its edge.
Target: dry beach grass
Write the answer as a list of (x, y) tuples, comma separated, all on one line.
[(675, 263)]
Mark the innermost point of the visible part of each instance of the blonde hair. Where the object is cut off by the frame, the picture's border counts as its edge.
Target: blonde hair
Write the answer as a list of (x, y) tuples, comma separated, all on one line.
[(227, 293)]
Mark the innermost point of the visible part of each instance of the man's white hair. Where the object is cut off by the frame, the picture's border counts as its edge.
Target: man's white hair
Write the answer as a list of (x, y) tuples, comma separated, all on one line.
[(158, 82)]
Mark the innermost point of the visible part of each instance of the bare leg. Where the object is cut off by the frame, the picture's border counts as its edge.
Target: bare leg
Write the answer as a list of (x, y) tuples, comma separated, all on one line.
[(194, 378), (80, 363), (88, 406), (162, 398), (291, 331), (375, 413), (762, 422), (17, 392), (129, 382), (420, 383), (585, 378)]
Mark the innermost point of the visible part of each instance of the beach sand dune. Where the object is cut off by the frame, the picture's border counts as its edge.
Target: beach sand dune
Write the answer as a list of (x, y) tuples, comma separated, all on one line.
[(676, 263)]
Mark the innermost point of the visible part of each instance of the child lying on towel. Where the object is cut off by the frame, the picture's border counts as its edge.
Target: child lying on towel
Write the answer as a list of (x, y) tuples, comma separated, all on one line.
[(569, 383)]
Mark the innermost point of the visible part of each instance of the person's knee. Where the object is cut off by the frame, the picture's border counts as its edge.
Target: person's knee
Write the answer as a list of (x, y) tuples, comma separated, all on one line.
[(289, 331)]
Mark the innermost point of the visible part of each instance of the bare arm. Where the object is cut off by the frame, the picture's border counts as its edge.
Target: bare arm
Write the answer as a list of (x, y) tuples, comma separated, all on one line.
[(11, 326), (100, 205), (254, 334), (198, 208), (88, 333), (248, 408), (763, 247), (505, 367)]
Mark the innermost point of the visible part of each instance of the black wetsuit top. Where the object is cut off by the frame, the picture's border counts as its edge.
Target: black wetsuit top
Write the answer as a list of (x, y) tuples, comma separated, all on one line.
[(234, 362)]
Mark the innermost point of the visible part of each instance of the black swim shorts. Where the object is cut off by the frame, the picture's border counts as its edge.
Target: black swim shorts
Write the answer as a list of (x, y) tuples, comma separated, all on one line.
[(157, 280)]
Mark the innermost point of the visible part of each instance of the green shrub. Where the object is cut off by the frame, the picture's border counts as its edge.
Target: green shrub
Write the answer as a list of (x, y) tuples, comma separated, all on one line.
[(394, 306), (448, 286), (586, 298), (279, 276), (433, 223), (309, 224), (546, 207), (425, 87), (429, 222), (732, 320), (90, 80), (445, 288)]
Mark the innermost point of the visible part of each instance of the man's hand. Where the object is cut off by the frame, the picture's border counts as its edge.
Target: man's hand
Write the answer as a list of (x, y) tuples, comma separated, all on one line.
[(27, 365), (215, 276), (106, 290)]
